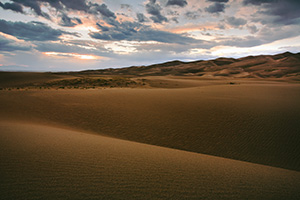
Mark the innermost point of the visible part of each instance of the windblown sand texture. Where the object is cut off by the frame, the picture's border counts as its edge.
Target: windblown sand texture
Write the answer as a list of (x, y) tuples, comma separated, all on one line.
[(42, 162)]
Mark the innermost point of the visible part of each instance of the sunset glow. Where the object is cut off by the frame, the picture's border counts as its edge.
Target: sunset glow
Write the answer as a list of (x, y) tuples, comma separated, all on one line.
[(75, 55)]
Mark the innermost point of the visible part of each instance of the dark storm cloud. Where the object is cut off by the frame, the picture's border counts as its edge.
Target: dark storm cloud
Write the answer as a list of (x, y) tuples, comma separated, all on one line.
[(215, 8), (31, 31), (12, 6), (284, 11), (141, 17), (236, 22), (154, 9), (11, 45), (180, 3)]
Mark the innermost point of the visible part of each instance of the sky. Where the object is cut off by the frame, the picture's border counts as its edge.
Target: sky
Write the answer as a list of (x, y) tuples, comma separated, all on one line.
[(73, 35)]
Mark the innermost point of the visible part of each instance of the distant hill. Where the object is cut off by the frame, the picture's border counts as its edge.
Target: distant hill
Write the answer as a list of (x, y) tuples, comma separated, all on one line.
[(285, 65)]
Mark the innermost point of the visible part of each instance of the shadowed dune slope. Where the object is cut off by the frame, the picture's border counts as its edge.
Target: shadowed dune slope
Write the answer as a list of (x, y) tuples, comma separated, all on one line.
[(256, 122), (42, 162)]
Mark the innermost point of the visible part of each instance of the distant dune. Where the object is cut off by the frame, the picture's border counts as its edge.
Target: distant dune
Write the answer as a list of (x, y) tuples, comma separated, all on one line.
[(283, 66), (42, 162)]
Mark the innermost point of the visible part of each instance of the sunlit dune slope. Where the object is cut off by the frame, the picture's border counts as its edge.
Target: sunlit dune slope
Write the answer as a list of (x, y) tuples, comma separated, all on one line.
[(42, 162), (255, 121)]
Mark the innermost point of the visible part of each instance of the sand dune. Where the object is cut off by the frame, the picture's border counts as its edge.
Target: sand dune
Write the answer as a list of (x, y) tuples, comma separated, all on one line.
[(42, 162), (51, 148), (256, 122), (284, 66)]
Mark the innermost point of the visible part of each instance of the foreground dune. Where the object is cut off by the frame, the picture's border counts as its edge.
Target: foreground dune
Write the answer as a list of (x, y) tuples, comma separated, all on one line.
[(42, 162), (252, 121)]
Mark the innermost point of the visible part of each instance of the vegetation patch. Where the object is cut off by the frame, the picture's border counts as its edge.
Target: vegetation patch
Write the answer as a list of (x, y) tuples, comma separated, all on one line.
[(92, 83)]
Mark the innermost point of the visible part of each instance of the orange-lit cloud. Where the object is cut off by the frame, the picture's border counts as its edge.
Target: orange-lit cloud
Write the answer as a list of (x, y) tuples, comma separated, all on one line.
[(10, 37), (193, 27), (74, 55)]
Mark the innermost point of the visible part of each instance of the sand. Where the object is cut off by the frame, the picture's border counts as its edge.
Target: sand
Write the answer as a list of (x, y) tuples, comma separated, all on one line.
[(174, 138), (255, 122), (43, 162)]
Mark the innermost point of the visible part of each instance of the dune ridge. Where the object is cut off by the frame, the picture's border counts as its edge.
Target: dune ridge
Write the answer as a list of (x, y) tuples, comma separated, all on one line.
[(52, 163)]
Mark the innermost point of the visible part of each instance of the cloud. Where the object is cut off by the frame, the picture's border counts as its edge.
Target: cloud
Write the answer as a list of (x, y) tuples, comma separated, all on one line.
[(180, 3), (134, 31), (264, 36), (215, 8), (270, 34), (12, 6), (32, 31), (247, 41), (34, 5), (102, 28), (284, 12), (69, 22), (126, 6), (141, 17), (192, 15), (218, 1), (11, 45), (154, 9), (74, 4), (175, 19), (236, 22), (57, 4), (257, 2), (252, 29), (102, 9), (66, 5), (73, 47)]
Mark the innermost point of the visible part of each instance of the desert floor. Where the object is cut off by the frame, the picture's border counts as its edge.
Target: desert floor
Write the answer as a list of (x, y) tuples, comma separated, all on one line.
[(172, 138)]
